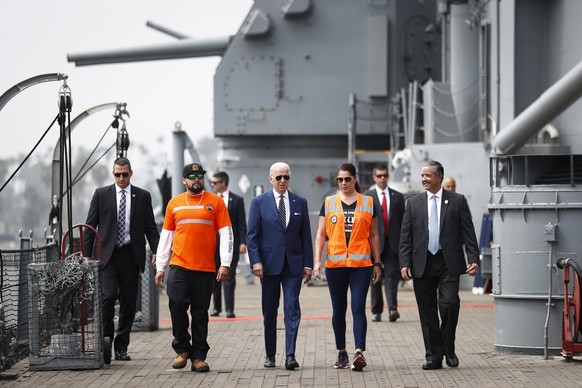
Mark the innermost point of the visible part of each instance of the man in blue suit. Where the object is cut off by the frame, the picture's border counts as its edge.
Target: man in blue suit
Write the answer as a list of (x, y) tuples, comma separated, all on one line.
[(281, 254)]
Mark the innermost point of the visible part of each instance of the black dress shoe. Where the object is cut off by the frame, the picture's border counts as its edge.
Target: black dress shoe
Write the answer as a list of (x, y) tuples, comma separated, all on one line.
[(269, 362), (452, 360), (215, 313), (121, 355), (430, 365), (291, 363), (230, 314), (377, 318)]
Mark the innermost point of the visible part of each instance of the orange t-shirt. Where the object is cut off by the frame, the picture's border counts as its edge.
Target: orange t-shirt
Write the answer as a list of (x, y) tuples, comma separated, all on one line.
[(195, 222)]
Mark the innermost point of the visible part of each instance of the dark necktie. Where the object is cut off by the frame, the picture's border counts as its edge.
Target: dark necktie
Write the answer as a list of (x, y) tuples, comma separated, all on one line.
[(433, 228), (121, 220), (385, 213), (282, 216)]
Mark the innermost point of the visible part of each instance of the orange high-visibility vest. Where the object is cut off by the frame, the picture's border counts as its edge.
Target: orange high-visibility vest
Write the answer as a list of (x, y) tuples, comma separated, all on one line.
[(358, 253)]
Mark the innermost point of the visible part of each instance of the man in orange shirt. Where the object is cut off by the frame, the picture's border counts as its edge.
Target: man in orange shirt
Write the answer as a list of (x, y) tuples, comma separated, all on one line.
[(188, 243)]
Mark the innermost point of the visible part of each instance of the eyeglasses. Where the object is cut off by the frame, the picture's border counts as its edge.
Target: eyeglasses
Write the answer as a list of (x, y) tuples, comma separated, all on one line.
[(195, 176), (279, 177), (347, 179), (215, 182), (123, 174), (381, 175)]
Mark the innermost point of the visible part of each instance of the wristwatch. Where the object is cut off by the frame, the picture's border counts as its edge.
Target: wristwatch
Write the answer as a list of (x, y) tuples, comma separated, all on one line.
[(379, 264)]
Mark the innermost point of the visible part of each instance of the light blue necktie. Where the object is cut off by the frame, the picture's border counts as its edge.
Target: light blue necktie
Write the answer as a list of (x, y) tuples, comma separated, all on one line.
[(433, 228)]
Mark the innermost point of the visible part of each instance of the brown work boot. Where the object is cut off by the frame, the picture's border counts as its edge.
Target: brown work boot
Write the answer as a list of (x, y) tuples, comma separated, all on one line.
[(200, 366), (180, 361), (394, 315)]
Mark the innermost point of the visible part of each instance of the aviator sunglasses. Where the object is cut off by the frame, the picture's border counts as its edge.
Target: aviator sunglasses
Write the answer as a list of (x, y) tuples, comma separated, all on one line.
[(123, 174), (279, 177), (347, 179), (194, 176)]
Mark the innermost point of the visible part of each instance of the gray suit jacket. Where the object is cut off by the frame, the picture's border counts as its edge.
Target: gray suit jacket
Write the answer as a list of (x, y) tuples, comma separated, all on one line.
[(456, 231)]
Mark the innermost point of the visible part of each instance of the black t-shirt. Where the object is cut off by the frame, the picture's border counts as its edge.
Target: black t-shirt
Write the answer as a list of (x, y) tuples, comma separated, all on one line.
[(348, 216)]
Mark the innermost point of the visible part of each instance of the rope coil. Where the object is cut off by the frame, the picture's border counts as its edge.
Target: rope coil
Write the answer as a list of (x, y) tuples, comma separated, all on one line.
[(57, 279)]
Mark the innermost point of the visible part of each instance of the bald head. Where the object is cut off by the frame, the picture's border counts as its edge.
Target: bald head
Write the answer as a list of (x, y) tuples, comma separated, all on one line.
[(449, 184)]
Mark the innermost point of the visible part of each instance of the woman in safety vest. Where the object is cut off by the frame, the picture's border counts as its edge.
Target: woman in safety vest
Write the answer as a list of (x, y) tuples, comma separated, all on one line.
[(348, 222)]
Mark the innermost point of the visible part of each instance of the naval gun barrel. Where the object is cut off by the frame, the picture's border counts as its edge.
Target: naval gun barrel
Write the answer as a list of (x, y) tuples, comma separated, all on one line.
[(166, 30), (566, 91), (185, 48)]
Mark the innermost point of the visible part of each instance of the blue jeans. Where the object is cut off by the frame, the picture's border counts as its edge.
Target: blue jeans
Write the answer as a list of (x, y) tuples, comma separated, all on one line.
[(338, 281)]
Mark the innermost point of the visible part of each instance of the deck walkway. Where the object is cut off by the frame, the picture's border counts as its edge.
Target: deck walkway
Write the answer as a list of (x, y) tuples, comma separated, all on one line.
[(395, 353)]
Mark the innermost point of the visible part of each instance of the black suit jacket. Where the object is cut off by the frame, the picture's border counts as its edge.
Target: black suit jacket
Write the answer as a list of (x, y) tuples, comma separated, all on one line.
[(456, 230), (236, 211), (103, 217), (395, 215)]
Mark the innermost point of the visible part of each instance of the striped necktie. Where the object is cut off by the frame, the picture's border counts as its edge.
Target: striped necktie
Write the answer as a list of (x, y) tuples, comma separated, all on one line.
[(282, 215), (121, 220)]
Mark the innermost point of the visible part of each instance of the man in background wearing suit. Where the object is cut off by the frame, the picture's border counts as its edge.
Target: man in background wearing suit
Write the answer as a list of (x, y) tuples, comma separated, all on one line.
[(436, 225), (389, 203), (122, 215), (281, 254), (236, 210)]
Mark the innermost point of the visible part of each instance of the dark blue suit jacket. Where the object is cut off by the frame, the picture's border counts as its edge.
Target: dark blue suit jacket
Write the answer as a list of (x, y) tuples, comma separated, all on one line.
[(269, 243)]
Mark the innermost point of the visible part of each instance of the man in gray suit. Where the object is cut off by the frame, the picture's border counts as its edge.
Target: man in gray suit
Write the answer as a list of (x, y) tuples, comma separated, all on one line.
[(389, 203), (436, 226)]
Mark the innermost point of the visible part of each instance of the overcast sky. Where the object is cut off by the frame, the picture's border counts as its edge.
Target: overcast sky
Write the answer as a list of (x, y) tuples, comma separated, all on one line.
[(36, 36)]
